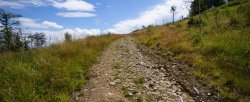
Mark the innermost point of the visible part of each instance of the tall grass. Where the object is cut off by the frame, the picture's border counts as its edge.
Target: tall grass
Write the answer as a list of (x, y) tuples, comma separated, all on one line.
[(49, 74), (221, 52)]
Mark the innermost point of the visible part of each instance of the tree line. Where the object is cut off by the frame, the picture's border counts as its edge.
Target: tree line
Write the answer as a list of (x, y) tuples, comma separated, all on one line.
[(198, 6), (12, 37)]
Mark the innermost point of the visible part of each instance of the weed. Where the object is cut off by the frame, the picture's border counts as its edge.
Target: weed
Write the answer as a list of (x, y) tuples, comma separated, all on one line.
[(125, 91), (139, 81)]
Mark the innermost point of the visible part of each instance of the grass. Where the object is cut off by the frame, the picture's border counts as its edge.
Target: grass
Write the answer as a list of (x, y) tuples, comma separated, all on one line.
[(125, 91), (49, 74), (139, 81), (221, 52)]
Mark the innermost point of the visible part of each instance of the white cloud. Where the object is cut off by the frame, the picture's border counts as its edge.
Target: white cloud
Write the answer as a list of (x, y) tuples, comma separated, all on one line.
[(58, 36), (153, 16), (71, 5), (75, 14), (11, 4), (74, 5), (30, 23), (52, 24), (22, 3), (80, 31), (36, 3)]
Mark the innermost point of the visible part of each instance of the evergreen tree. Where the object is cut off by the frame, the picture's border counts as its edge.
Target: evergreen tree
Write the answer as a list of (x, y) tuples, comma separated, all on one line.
[(8, 24), (18, 41), (204, 5), (67, 37), (1, 41)]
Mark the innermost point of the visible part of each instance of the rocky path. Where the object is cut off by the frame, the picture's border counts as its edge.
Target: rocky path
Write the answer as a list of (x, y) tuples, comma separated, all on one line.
[(125, 75)]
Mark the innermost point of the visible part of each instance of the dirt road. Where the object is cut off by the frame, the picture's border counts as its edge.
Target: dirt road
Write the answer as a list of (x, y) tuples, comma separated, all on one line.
[(123, 74)]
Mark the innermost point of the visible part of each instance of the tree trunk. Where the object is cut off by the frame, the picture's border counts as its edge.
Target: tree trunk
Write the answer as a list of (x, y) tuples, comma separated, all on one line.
[(173, 17)]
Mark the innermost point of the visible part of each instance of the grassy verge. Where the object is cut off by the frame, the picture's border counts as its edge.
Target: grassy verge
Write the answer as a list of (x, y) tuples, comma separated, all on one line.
[(221, 52), (49, 74)]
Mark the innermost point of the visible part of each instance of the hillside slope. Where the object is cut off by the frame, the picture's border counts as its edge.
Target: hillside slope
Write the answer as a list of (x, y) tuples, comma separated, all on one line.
[(220, 52), (49, 74)]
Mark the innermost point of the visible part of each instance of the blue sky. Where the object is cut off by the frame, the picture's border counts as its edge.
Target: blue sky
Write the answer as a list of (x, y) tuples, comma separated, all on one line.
[(91, 17)]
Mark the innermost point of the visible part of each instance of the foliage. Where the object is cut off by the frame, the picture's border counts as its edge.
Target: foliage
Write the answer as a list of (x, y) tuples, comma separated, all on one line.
[(37, 39), (139, 81), (198, 6), (12, 37), (67, 37), (9, 39)]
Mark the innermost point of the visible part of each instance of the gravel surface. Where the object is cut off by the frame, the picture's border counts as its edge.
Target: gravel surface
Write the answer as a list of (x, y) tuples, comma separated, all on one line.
[(124, 74)]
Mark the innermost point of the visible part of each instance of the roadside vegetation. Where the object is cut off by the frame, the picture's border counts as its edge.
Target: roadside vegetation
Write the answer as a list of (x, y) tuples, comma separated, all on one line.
[(33, 70), (218, 45), (49, 74)]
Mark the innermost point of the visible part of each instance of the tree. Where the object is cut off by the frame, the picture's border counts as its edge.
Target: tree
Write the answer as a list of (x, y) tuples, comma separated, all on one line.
[(67, 37), (1, 41), (173, 10), (8, 24), (37, 39), (18, 41), (199, 6)]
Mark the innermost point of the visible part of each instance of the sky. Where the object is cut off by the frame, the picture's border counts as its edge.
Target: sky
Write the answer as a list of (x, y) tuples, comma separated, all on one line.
[(82, 18)]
